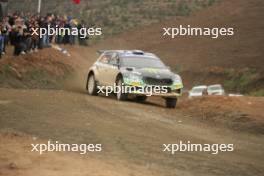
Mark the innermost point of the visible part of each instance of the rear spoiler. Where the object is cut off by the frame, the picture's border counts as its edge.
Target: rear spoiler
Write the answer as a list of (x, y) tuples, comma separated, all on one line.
[(99, 52)]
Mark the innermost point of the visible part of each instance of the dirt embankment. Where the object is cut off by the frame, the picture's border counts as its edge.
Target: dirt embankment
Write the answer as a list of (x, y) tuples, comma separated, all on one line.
[(47, 68), (244, 114)]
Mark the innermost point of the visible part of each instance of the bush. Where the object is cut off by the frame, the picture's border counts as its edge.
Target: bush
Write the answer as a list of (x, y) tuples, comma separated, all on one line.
[(258, 93), (211, 2), (183, 9), (240, 81)]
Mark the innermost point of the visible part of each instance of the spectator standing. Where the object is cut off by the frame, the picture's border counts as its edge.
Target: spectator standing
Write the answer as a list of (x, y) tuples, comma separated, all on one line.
[(1, 44), (81, 37)]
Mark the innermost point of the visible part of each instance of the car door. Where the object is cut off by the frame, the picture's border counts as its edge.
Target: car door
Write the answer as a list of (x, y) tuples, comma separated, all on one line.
[(112, 70), (101, 67)]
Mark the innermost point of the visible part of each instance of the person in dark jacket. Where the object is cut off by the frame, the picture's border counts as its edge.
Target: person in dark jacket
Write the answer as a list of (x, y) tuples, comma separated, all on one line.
[(34, 37), (81, 37), (18, 41), (2, 42)]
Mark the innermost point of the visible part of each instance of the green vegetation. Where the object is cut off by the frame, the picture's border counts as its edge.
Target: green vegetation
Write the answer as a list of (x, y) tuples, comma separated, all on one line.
[(183, 9), (258, 93), (211, 2), (5, 70), (245, 81), (41, 78)]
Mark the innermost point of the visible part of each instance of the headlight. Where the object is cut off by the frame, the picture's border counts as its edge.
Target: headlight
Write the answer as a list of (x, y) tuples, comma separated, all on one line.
[(177, 82), (177, 79)]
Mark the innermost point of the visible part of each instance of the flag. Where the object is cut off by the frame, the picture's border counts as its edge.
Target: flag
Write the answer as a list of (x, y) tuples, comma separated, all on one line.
[(76, 1)]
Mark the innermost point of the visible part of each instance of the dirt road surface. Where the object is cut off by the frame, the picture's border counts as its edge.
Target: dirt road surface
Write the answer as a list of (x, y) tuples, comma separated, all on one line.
[(132, 136)]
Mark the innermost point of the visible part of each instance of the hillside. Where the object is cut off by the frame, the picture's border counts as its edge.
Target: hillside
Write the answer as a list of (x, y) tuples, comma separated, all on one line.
[(115, 16), (235, 61)]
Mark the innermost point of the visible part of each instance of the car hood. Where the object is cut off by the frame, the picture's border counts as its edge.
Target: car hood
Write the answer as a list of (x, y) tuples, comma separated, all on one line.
[(149, 72)]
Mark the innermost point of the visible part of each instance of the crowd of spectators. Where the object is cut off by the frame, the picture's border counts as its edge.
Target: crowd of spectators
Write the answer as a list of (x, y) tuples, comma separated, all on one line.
[(16, 30)]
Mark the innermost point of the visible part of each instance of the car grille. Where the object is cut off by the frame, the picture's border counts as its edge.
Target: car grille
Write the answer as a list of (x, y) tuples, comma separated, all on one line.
[(157, 82)]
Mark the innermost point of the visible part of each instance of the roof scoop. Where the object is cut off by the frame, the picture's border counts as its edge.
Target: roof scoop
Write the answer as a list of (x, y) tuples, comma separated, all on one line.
[(138, 52), (130, 69)]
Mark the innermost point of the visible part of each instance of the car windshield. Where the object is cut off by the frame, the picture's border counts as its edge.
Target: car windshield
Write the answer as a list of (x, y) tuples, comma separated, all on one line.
[(198, 90), (213, 88), (142, 62)]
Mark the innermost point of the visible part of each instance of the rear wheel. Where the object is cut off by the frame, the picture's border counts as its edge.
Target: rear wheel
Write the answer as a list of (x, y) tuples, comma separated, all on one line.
[(91, 85), (120, 95), (171, 102)]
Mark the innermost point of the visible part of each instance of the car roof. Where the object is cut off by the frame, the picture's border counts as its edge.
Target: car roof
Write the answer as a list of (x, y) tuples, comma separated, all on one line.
[(129, 53), (200, 87), (215, 85)]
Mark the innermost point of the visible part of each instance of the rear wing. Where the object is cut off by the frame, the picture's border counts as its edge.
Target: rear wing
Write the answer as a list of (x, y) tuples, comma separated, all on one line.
[(99, 52)]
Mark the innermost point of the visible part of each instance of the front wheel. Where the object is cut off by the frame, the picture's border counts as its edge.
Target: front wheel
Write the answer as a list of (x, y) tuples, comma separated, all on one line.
[(91, 85), (171, 102), (120, 95)]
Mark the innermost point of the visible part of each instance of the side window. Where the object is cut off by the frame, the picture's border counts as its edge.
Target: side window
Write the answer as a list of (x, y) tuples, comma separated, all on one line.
[(114, 60), (105, 58)]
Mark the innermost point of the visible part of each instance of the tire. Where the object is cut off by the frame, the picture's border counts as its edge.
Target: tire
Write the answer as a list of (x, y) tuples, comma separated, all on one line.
[(171, 102), (141, 99), (119, 95), (91, 85)]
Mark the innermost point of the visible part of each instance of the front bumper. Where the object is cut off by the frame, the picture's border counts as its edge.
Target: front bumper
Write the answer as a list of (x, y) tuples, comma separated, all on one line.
[(174, 90), (171, 95)]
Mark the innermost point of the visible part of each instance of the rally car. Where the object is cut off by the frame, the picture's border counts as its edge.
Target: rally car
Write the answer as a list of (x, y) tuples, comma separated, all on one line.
[(141, 71)]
